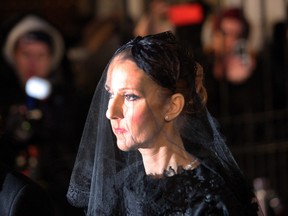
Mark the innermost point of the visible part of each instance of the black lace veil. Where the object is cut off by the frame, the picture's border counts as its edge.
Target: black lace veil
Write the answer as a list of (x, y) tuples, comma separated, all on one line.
[(99, 160)]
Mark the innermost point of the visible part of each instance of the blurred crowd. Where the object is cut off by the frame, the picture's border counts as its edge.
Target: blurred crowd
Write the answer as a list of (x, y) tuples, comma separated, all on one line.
[(46, 86)]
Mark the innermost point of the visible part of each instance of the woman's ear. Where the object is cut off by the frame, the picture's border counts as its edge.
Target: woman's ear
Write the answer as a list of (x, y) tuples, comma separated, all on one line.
[(177, 102)]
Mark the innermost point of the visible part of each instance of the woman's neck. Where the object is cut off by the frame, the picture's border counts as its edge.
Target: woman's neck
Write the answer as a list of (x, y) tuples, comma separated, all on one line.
[(170, 154)]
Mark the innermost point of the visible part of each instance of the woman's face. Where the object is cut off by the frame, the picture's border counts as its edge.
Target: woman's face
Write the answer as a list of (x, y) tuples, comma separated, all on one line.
[(32, 58), (225, 39), (137, 106)]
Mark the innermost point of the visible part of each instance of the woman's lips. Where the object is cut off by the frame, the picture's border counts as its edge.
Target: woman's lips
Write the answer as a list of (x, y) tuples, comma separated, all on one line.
[(120, 130)]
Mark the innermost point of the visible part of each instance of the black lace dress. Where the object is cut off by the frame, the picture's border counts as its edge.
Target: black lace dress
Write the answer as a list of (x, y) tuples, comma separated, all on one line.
[(189, 192)]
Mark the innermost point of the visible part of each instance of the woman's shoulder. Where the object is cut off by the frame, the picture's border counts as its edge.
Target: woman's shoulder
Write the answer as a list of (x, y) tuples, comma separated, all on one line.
[(208, 191)]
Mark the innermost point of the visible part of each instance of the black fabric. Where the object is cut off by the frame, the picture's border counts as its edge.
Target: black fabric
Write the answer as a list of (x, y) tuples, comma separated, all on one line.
[(20, 196), (197, 192)]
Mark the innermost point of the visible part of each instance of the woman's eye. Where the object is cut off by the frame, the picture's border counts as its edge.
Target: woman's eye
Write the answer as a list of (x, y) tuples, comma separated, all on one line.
[(110, 95), (131, 97)]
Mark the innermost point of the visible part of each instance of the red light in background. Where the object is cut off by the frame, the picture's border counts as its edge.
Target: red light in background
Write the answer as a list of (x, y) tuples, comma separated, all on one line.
[(186, 14)]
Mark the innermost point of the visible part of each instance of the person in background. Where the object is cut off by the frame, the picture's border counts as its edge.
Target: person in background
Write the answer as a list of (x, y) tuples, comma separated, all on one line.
[(233, 75), (19, 195), (155, 19), (37, 103), (229, 63), (228, 43), (150, 146), (33, 49)]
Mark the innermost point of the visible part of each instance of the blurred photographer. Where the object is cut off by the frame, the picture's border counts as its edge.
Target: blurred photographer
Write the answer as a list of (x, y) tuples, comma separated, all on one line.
[(38, 102), (233, 77), (228, 43), (33, 49)]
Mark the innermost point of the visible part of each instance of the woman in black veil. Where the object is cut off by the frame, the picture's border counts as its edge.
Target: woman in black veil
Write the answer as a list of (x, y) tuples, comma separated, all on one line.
[(150, 147)]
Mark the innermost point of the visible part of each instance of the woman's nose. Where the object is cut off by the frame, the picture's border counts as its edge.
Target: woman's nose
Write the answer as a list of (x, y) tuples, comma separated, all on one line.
[(115, 108)]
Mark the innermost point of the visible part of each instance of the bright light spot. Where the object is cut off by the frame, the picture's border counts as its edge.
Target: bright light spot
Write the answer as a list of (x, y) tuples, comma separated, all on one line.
[(38, 88)]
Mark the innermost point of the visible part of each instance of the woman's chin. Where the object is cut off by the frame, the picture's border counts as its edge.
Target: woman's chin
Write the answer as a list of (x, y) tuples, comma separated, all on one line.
[(123, 146)]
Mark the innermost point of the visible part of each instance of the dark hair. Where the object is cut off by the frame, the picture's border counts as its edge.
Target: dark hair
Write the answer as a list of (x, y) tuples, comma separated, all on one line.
[(40, 36), (236, 14), (171, 66)]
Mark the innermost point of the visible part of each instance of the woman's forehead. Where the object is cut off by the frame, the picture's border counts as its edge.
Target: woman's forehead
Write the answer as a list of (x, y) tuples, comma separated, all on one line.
[(124, 71), (126, 74)]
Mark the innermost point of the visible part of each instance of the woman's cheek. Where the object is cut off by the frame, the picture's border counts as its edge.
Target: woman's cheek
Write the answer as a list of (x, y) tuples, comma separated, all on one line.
[(137, 117)]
